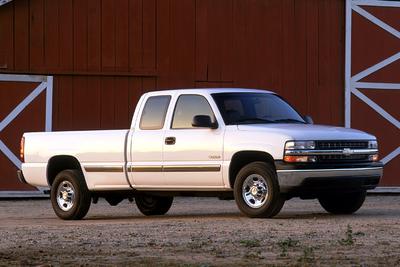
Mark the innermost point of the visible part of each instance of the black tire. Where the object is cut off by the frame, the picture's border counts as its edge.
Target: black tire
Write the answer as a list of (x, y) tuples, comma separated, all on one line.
[(81, 195), (344, 203), (153, 205), (271, 204)]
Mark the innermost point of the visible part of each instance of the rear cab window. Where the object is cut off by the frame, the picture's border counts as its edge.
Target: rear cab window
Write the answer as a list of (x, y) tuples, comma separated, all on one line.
[(154, 112)]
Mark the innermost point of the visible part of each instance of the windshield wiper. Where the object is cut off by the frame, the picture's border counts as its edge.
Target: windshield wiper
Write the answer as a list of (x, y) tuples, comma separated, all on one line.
[(290, 120), (254, 119)]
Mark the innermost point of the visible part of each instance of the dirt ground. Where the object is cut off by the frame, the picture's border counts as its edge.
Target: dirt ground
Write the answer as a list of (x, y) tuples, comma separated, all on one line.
[(201, 232)]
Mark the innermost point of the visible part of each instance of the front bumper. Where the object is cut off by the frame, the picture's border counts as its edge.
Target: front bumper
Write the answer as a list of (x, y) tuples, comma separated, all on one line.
[(314, 181)]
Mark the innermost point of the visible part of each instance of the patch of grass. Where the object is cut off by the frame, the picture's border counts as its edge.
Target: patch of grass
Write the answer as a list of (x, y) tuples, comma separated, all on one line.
[(359, 233), (152, 243), (219, 253), (197, 244), (253, 255), (349, 239), (250, 243), (307, 256), (286, 244), (310, 234), (161, 262)]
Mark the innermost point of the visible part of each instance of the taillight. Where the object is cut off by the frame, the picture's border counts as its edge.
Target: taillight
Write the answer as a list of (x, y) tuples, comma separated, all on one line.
[(22, 149)]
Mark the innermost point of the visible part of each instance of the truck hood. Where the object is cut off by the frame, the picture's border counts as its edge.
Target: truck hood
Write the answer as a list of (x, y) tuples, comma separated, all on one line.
[(309, 131)]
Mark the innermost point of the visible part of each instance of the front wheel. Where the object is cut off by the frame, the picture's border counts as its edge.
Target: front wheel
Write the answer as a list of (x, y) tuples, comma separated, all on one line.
[(256, 191), (153, 205), (346, 203), (70, 196)]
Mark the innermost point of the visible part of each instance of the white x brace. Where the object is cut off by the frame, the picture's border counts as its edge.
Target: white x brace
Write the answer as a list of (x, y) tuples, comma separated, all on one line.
[(46, 83), (352, 83)]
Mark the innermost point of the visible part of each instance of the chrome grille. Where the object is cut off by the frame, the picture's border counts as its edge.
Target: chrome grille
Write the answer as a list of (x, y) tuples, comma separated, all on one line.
[(341, 144)]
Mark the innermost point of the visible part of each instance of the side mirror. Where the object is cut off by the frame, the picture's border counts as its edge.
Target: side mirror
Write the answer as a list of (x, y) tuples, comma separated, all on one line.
[(308, 119), (203, 121)]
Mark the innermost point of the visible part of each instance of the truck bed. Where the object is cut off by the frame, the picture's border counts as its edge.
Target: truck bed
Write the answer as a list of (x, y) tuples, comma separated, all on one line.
[(88, 147)]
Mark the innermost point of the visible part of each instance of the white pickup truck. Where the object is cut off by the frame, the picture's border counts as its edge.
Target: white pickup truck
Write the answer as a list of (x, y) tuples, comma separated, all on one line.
[(242, 144)]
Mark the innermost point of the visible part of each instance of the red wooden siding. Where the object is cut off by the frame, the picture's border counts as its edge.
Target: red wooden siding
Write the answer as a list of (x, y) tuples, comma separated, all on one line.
[(292, 47), (105, 54)]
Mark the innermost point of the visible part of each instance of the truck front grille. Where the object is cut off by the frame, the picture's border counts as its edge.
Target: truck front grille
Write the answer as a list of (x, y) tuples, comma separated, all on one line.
[(341, 144)]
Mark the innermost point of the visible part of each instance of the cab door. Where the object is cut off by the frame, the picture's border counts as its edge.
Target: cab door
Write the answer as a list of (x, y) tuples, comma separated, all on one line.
[(192, 155), (145, 165)]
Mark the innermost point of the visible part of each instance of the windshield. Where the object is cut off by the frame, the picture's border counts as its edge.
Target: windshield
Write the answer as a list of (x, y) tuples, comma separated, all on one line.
[(253, 108)]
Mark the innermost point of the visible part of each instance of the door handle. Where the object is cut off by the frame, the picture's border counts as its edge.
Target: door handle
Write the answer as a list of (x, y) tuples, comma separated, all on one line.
[(170, 140)]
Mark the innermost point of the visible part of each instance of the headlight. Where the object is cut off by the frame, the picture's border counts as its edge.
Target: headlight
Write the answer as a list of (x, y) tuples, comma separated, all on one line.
[(373, 144), (299, 145), (294, 145)]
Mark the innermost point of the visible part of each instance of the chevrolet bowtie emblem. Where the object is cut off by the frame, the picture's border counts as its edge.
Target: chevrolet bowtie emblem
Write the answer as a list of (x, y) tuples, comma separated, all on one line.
[(347, 151)]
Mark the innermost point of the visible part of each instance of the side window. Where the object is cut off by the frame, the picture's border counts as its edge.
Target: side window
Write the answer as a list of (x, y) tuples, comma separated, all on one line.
[(154, 111), (187, 107)]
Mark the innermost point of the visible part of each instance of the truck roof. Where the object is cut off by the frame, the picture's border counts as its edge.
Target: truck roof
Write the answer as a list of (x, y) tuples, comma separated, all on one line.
[(211, 91)]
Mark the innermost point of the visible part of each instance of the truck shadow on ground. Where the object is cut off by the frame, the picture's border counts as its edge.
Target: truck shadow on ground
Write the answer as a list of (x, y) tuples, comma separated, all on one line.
[(171, 217), (239, 216)]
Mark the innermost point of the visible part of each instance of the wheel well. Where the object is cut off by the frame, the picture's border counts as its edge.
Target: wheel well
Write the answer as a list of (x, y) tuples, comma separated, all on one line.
[(242, 158), (59, 163)]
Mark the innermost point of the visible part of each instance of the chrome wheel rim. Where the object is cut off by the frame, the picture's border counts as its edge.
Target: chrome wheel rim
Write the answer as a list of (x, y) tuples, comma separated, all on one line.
[(255, 191), (65, 195)]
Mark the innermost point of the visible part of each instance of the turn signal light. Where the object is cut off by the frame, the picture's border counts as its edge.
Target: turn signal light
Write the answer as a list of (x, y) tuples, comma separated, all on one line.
[(374, 157), (300, 158), (22, 149)]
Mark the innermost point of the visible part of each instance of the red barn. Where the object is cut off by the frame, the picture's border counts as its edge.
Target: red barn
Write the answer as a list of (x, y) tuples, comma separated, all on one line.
[(82, 64)]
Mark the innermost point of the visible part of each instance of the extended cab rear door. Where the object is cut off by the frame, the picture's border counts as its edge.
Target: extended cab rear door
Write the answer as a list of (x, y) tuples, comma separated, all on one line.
[(192, 156), (145, 165)]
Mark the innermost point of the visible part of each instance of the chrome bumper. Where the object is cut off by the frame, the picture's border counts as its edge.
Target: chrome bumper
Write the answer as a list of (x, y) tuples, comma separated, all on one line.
[(294, 178)]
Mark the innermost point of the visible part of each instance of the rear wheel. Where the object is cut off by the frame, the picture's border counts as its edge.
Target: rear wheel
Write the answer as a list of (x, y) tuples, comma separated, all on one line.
[(70, 196), (345, 203), (153, 205), (256, 191)]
